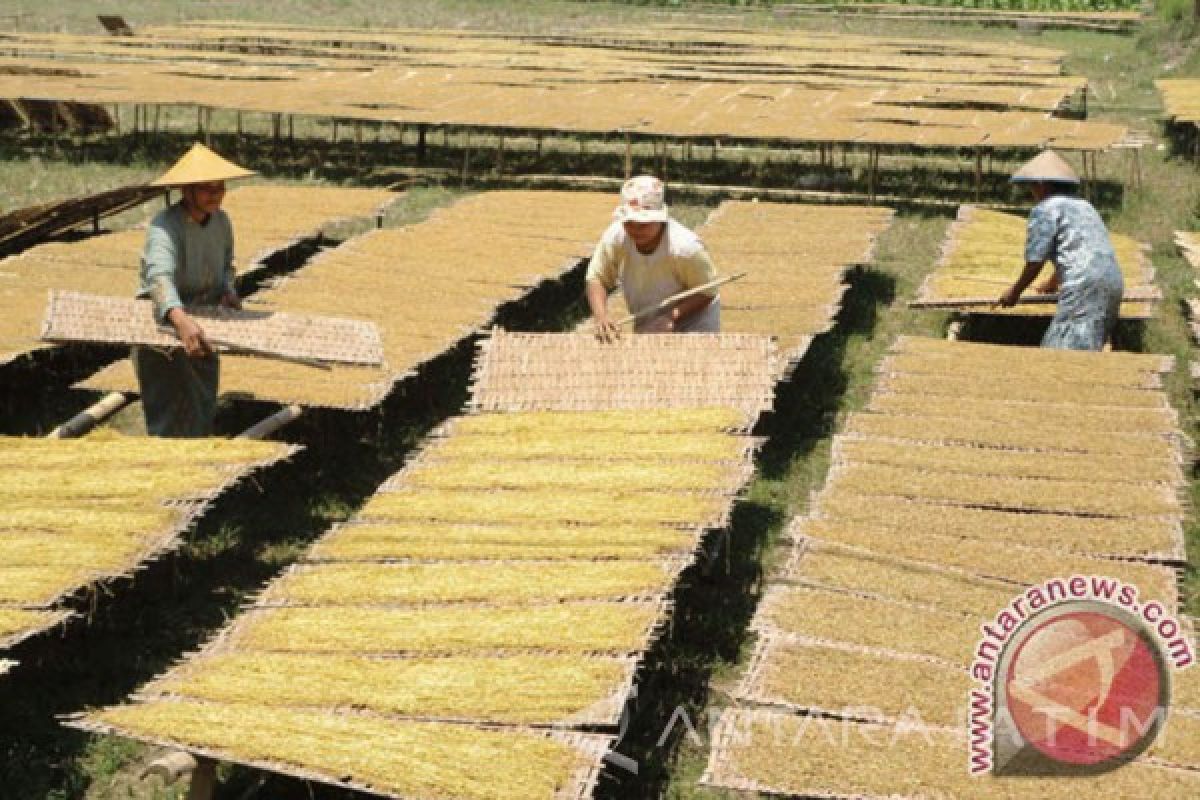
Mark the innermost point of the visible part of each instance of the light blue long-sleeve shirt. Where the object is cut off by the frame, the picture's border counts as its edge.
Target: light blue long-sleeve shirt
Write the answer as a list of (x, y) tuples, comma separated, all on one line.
[(185, 262)]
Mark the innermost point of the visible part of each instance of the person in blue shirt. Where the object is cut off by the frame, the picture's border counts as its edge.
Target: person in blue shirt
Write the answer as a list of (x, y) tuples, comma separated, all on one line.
[(1066, 230), (187, 260)]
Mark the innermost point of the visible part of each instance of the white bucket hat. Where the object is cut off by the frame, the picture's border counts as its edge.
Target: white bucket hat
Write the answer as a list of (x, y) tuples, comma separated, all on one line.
[(1047, 167), (642, 200)]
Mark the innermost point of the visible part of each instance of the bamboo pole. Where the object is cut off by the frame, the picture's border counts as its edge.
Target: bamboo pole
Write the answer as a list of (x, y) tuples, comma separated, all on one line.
[(666, 303), (273, 423), (628, 156), (90, 417)]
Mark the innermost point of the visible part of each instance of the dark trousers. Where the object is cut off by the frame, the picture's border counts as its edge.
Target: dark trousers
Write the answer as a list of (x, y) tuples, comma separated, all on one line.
[(179, 394)]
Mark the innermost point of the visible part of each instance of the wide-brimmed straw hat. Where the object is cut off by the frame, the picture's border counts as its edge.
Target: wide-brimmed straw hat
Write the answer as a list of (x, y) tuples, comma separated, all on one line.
[(1046, 167), (201, 165), (642, 200)]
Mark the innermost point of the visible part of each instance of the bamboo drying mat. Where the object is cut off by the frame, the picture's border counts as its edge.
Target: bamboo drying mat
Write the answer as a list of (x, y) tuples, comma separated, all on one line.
[(172, 514), (72, 316), (803, 675), (776, 753), (982, 255), (575, 372), (576, 782), (538, 689)]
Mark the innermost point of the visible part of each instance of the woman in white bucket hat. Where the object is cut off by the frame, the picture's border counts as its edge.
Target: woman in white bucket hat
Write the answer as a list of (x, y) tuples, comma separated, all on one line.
[(187, 260), (1066, 230), (652, 257)]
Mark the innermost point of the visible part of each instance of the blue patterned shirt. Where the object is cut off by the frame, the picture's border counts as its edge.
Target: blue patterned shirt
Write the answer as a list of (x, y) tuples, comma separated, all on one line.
[(185, 262), (1068, 231)]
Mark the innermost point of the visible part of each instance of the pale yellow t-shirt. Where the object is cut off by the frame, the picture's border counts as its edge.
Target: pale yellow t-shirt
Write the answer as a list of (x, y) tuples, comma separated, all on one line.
[(679, 262)]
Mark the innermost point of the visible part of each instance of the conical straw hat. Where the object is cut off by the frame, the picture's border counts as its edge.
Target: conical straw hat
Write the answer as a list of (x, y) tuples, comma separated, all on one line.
[(201, 165), (1048, 167)]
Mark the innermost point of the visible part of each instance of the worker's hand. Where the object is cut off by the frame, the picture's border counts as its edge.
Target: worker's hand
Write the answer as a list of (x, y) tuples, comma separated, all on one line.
[(660, 323), (195, 344), (1048, 286), (607, 331), (1009, 298), (231, 300)]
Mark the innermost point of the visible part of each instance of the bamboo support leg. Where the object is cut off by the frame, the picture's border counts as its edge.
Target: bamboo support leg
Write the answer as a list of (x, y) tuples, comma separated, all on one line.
[(978, 174), (466, 164), (628, 156), (204, 780), (421, 144), (500, 156), (357, 142), (871, 174)]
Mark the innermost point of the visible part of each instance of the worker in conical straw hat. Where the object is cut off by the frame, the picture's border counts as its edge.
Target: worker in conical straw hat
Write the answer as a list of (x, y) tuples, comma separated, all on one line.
[(652, 257), (187, 260), (1065, 229)]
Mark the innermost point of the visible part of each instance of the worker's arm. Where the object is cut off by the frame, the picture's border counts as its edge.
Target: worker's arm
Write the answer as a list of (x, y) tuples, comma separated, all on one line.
[(670, 319), (1028, 275), (229, 294), (602, 273), (160, 258), (1050, 285), (597, 298), (1040, 244), (195, 343)]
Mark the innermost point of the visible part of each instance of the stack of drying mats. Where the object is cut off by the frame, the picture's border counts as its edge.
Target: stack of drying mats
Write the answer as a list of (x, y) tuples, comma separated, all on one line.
[(473, 632), (975, 472)]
